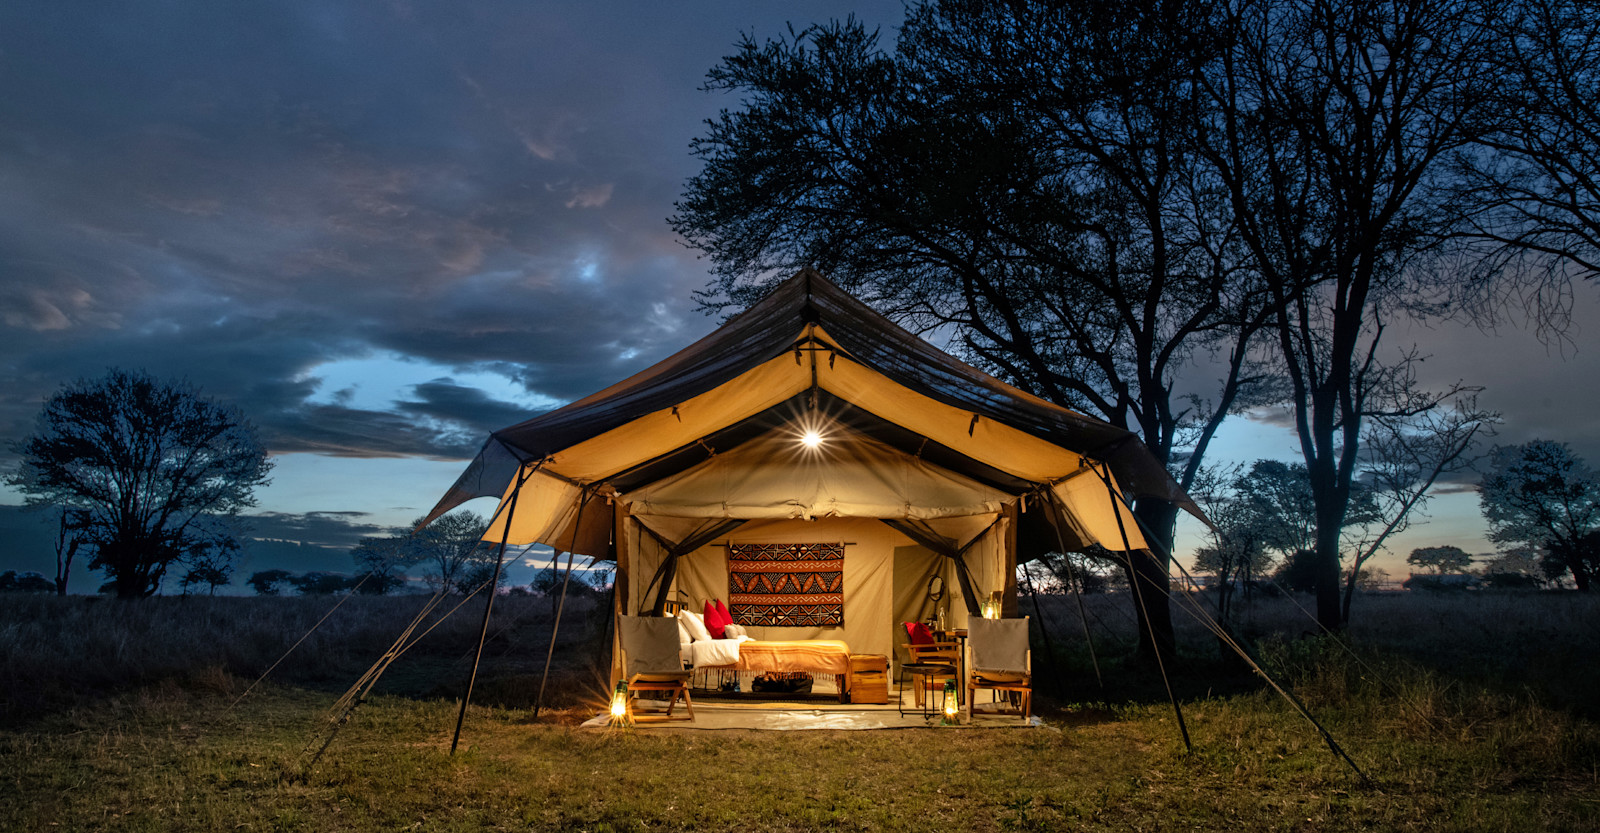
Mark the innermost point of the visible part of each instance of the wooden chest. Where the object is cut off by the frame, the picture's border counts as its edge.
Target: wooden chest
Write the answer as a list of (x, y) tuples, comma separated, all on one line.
[(869, 678)]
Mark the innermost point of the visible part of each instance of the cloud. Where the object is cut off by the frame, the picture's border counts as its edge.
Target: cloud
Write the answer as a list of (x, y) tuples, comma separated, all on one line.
[(326, 529)]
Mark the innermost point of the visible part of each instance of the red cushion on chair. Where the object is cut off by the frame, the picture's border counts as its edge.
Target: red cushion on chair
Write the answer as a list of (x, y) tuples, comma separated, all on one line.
[(919, 633), (714, 621), (722, 610)]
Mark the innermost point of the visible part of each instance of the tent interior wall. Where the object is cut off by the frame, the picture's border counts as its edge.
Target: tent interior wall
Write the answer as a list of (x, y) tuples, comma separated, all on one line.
[(886, 576)]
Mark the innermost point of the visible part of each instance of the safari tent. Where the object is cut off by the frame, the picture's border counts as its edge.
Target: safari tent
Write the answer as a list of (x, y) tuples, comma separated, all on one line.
[(810, 419)]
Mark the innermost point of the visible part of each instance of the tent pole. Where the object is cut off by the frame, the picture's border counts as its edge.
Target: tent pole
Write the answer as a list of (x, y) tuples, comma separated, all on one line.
[(1077, 593), (1138, 597), (577, 525), (1294, 701), (488, 608)]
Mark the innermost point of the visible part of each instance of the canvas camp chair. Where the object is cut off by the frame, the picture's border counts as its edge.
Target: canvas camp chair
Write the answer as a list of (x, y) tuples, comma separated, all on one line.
[(999, 660), (650, 646), (929, 663)]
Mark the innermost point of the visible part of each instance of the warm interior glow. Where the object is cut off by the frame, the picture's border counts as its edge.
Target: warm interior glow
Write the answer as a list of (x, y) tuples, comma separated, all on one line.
[(991, 610), (811, 438)]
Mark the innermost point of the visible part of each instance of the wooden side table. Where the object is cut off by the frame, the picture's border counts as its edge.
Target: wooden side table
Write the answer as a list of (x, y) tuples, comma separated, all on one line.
[(868, 680)]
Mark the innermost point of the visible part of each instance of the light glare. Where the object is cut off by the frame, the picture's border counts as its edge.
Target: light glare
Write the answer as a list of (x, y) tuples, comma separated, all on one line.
[(811, 438)]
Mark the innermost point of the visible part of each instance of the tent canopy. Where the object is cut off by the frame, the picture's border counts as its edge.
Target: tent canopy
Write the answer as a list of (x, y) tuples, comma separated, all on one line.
[(907, 433)]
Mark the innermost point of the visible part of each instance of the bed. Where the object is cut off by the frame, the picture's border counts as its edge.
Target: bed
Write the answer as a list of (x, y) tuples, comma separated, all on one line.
[(816, 656)]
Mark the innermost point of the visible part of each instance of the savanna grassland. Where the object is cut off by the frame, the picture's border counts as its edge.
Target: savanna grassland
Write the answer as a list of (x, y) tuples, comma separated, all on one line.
[(1472, 711)]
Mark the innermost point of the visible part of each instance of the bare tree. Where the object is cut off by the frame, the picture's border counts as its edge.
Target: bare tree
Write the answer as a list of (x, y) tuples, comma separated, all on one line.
[(1531, 191), (1406, 456), (1332, 123), (1021, 177)]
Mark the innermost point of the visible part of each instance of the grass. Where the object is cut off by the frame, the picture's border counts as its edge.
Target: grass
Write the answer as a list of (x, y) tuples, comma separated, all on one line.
[(1442, 750)]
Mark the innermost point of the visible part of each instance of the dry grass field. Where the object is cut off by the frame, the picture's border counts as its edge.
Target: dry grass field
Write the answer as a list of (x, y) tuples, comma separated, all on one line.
[(1467, 712)]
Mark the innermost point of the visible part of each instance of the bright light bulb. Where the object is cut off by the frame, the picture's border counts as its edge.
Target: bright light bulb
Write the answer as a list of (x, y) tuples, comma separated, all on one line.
[(811, 439)]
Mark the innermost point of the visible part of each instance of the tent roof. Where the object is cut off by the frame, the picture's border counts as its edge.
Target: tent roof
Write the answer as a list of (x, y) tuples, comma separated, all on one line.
[(865, 372)]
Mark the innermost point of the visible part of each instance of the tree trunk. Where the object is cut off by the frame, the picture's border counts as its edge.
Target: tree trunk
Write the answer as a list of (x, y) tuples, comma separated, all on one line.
[(1147, 578), (1326, 571)]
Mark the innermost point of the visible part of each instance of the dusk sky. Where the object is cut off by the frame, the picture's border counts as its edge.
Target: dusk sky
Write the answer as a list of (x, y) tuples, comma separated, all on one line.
[(384, 229)]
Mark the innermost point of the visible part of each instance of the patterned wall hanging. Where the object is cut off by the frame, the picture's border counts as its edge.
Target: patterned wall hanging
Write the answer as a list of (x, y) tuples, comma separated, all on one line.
[(797, 585)]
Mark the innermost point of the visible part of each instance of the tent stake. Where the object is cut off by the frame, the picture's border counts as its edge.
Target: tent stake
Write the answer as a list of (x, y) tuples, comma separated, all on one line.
[(561, 605), (488, 608)]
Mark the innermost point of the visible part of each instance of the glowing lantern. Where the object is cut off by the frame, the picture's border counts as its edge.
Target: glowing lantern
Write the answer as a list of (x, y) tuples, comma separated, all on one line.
[(951, 707), (619, 705), (811, 438), (991, 609)]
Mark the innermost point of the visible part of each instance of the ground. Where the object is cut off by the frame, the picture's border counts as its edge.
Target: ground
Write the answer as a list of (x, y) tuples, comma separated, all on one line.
[(1436, 749)]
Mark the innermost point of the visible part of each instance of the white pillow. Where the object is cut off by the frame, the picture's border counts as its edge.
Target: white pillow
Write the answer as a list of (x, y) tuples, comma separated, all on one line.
[(734, 632), (695, 624), (683, 634)]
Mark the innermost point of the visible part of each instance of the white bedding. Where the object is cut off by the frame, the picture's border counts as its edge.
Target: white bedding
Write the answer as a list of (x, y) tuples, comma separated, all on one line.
[(711, 652)]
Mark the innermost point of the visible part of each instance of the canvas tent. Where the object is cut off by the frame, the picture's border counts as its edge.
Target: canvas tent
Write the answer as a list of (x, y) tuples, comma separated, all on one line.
[(921, 465)]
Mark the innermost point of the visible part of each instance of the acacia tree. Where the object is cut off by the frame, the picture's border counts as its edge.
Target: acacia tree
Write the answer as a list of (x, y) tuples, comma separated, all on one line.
[(453, 549), (1019, 176), (1442, 559), (1539, 494), (1332, 123), (382, 563), (149, 464)]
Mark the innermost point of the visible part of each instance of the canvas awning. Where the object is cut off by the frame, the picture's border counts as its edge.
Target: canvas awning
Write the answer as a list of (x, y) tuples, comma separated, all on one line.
[(928, 435)]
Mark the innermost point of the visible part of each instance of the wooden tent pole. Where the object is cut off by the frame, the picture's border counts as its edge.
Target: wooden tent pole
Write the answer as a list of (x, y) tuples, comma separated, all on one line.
[(577, 526), (1138, 597), (488, 608)]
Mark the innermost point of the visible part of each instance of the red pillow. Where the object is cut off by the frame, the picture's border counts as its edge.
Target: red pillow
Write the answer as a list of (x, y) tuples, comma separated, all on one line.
[(714, 621), (727, 618), (919, 633)]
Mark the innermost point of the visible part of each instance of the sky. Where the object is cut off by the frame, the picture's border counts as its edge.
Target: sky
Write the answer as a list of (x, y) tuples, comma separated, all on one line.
[(385, 229)]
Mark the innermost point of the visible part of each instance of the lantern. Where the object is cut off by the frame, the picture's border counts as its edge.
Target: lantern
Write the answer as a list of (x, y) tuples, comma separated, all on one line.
[(619, 706), (952, 709), (991, 609)]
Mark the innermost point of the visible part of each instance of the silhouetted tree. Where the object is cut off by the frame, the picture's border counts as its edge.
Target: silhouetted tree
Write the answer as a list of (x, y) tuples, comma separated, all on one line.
[(1331, 123), (318, 583), (1532, 192), (1298, 572), (382, 561), (453, 550), (1539, 494), (1445, 559), (147, 463), (265, 582), (68, 525), (29, 582), (1022, 176)]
